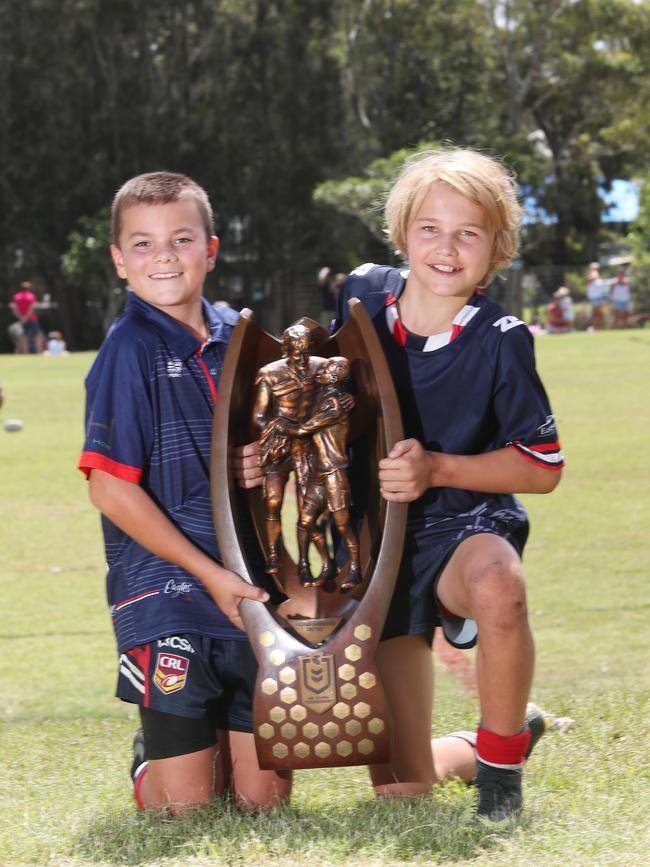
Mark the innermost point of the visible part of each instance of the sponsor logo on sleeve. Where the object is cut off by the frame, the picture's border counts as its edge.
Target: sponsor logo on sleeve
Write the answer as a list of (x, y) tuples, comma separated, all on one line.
[(548, 427), (100, 434), (171, 672), (506, 323)]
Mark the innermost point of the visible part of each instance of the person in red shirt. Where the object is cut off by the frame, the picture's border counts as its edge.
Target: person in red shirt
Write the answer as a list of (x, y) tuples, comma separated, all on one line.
[(23, 305), (560, 315)]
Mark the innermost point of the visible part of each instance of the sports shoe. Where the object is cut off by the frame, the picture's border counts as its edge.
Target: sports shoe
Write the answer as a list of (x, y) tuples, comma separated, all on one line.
[(539, 722), (139, 757), (499, 792)]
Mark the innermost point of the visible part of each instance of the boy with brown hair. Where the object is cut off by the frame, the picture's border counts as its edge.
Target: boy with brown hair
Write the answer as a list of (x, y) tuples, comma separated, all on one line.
[(184, 659)]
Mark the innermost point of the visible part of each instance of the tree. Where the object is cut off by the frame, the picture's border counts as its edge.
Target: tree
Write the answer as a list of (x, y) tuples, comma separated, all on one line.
[(640, 238), (571, 72)]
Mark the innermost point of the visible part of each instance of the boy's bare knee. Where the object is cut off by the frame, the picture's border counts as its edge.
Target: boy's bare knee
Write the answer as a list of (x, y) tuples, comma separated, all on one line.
[(262, 798), (174, 806), (497, 594)]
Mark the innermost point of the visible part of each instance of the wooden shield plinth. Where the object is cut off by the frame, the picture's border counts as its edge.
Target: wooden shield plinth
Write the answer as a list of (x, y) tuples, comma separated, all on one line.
[(318, 697)]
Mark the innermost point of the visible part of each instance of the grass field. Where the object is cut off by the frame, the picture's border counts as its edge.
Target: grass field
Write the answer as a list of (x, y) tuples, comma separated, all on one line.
[(65, 797)]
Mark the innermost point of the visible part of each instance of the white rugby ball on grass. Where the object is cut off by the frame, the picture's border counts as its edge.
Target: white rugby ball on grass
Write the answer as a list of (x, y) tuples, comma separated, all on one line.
[(12, 424)]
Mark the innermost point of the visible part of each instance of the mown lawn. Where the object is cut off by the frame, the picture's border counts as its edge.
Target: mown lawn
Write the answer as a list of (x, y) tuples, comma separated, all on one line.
[(65, 796)]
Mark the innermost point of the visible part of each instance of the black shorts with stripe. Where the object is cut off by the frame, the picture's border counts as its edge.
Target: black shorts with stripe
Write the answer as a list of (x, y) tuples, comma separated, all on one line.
[(206, 683)]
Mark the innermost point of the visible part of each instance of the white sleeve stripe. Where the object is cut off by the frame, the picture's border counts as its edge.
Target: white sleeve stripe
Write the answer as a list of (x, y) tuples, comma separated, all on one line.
[(543, 457)]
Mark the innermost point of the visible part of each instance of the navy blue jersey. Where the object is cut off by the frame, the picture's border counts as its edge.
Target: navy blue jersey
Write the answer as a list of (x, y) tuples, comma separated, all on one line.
[(150, 396), (472, 390)]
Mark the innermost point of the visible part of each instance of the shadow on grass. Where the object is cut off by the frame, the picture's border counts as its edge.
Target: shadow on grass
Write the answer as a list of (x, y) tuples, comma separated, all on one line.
[(435, 829)]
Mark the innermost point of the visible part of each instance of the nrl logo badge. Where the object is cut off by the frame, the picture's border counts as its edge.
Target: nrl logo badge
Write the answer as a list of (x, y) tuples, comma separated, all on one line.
[(171, 672), (317, 684)]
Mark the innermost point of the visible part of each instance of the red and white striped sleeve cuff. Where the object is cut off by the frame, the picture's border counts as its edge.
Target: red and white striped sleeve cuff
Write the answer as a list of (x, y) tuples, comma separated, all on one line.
[(547, 455)]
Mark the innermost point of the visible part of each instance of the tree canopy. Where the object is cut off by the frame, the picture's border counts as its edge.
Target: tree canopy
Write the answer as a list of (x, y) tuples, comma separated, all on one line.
[(265, 101)]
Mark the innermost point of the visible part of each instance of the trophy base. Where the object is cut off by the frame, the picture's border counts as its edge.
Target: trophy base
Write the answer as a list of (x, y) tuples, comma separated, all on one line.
[(319, 708)]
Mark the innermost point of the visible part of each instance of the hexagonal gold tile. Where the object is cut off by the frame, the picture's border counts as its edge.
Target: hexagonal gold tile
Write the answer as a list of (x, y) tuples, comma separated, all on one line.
[(310, 730), (288, 695), (269, 686), (277, 714), (353, 727), (346, 672), (375, 726), (348, 690), (341, 710), (297, 712), (361, 709), (277, 657), (267, 639), (287, 675), (365, 747), (330, 729), (301, 750), (344, 748), (266, 731), (322, 750), (288, 731), (362, 632), (353, 652), (280, 751), (367, 680)]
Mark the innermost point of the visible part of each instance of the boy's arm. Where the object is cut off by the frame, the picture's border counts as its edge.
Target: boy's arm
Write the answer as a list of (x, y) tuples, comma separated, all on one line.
[(129, 506), (410, 470)]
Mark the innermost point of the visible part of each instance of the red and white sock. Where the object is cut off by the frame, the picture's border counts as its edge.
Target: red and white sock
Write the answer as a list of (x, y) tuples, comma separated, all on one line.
[(138, 777), (503, 752)]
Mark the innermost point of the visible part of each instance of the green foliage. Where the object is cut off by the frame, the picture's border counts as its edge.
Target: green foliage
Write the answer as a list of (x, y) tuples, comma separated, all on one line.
[(88, 270), (262, 101), (640, 239), (363, 197)]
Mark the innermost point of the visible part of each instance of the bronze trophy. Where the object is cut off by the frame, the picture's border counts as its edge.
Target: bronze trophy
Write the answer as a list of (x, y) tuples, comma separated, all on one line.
[(318, 698)]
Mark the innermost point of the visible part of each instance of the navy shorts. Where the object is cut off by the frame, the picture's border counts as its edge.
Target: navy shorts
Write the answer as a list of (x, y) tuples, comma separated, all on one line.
[(414, 608), (205, 683), (31, 328)]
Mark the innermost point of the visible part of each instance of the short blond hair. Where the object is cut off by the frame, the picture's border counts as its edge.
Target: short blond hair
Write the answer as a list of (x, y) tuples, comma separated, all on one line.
[(159, 188), (481, 179)]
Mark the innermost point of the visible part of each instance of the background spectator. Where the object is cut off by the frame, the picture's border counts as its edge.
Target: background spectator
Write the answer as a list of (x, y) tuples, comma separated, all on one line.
[(597, 295), (327, 295), (620, 295), (55, 344), (23, 305), (560, 315)]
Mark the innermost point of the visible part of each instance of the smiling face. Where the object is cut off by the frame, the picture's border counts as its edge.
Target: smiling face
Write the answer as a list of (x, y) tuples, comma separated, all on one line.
[(449, 244), (164, 254)]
